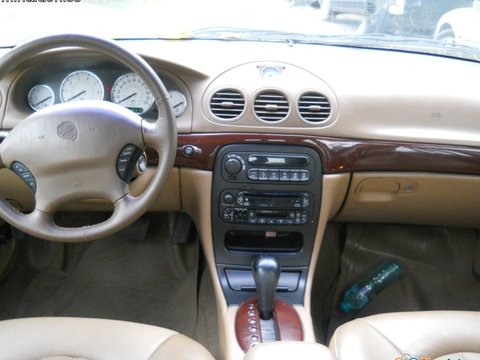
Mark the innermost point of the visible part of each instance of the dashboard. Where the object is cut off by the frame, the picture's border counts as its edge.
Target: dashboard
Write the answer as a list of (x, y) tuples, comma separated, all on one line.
[(383, 111)]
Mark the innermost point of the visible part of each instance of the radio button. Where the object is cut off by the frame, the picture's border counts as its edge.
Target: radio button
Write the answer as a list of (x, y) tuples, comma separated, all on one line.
[(263, 174), (252, 174), (294, 175), (271, 221), (304, 175), (252, 220), (284, 175), (306, 201), (273, 175), (262, 220), (290, 221), (280, 221)]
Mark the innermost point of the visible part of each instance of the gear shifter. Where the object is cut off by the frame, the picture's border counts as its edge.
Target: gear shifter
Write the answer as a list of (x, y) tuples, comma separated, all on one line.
[(266, 272)]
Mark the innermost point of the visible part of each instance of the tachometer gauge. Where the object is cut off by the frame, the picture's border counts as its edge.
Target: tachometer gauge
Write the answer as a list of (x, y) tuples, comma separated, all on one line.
[(40, 96), (178, 101), (130, 91), (81, 85)]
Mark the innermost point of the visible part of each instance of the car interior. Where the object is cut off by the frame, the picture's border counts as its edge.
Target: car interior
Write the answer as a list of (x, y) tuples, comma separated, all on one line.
[(216, 198)]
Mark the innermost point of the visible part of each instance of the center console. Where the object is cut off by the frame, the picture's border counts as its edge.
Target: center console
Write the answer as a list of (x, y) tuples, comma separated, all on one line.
[(265, 201)]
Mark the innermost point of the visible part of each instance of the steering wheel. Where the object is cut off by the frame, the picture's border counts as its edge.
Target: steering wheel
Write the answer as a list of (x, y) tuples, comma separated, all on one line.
[(85, 149)]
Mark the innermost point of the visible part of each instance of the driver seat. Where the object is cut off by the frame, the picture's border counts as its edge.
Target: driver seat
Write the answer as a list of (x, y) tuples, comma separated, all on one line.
[(60, 338)]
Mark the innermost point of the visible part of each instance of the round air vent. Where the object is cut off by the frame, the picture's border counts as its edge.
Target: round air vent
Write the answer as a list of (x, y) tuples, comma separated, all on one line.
[(314, 107), (271, 106), (227, 104)]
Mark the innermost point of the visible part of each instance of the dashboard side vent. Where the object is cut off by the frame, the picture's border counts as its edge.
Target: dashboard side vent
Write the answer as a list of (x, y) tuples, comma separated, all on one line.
[(271, 106), (227, 104), (314, 107)]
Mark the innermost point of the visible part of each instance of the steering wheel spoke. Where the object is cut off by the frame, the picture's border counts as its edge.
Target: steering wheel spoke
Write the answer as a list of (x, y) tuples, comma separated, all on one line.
[(155, 134)]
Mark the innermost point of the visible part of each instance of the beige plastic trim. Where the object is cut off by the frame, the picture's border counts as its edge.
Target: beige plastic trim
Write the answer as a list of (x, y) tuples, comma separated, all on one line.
[(413, 198), (288, 350), (334, 191), (196, 188)]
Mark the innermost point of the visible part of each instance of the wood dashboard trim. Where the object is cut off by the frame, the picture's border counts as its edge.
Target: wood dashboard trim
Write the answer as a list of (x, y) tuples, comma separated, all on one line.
[(339, 155)]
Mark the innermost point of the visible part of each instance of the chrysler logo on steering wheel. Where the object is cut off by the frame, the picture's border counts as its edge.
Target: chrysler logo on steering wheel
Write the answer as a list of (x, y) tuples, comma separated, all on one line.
[(67, 130)]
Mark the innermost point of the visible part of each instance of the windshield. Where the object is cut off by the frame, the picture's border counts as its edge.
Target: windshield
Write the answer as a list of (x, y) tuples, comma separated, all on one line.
[(442, 27)]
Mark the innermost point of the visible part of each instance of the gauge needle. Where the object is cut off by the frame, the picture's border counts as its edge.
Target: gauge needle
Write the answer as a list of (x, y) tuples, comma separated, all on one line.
[(178, 105), (41, 102), (74, 97), (128, 97)]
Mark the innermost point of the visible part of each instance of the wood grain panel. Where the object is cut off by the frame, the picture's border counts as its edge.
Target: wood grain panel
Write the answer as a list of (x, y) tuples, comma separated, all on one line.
[(339, 155), (248, 326)]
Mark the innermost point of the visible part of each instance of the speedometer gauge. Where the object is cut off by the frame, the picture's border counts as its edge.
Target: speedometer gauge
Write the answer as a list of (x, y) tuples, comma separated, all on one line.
[(81, 85), (130, 91), (40, 96)]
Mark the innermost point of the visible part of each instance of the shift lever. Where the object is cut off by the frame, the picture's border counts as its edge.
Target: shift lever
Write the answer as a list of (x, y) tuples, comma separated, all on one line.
[(266, 272)]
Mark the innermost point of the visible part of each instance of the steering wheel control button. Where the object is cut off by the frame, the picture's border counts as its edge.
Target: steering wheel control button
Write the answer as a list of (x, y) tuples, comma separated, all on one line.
[(23, 173), (127, 161)]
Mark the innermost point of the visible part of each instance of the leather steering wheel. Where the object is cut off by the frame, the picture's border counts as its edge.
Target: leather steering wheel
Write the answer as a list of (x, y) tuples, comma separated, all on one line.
[(77, 151)]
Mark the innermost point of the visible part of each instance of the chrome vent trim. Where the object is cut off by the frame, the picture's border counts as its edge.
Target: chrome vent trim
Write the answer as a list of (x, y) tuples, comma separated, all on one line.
[(227, 104), (271, 106), (314, 107)]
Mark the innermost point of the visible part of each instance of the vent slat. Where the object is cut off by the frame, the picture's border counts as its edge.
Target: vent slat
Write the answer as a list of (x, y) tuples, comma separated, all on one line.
[(314, 107), (227, 104), (271, 106)]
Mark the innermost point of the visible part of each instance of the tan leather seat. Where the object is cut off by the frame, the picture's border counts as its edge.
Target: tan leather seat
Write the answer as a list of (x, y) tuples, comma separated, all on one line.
[(93, 339), (435, 335)]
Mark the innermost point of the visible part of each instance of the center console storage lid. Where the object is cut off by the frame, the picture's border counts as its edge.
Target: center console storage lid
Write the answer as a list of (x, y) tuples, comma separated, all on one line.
[(288, 350)]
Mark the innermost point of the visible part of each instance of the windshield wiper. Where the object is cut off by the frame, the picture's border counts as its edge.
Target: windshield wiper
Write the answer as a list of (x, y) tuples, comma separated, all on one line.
[(247, 34)]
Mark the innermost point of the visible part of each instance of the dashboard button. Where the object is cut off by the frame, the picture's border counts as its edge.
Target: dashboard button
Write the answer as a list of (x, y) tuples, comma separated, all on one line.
[(262, 174), (294, 175), (284, 175), (273, 175), (305, 175), (252, 174)]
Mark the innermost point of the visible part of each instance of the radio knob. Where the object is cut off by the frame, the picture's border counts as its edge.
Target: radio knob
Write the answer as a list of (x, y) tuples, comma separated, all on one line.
[(228, 198), (233, 166)]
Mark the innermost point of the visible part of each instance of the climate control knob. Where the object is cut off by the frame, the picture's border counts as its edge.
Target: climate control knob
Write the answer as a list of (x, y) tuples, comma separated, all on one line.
[(233, 166)]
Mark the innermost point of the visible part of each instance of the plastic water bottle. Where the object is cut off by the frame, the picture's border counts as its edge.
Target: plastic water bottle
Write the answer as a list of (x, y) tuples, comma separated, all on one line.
[(359, 294)]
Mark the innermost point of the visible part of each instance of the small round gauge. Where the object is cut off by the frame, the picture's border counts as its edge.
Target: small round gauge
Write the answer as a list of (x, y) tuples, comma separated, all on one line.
[(81, 85), (130, 91), (40, 96), (178, 101)]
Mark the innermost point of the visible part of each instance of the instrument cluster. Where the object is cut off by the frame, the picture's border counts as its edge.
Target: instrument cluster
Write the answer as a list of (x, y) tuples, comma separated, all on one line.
[(115, 85)]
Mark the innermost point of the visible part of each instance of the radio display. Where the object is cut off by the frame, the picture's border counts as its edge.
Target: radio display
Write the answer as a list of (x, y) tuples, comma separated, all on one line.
[(278, 160)]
